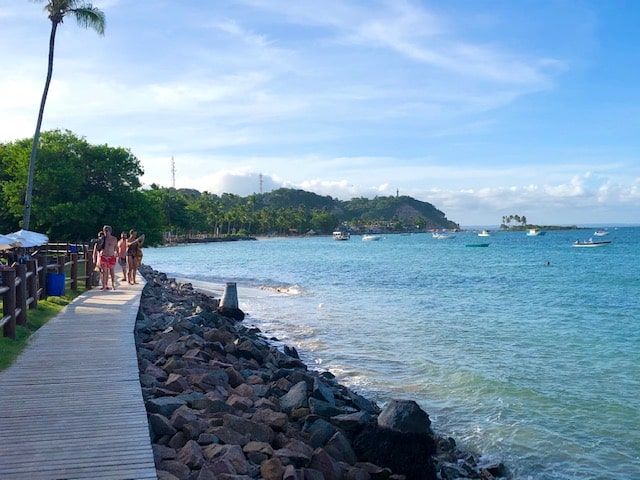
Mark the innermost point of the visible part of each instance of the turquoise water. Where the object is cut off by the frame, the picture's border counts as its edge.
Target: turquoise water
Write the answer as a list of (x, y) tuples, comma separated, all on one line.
[(536, 365)]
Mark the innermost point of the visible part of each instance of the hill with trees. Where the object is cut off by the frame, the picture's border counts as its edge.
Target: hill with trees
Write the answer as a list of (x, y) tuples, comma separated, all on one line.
[(78, 187)]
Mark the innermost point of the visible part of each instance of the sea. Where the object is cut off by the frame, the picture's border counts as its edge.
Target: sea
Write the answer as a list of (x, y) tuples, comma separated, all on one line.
[(526, 351)]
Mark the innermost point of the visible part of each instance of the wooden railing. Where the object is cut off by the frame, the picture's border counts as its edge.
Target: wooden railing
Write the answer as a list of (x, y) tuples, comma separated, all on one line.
[(24, 284)]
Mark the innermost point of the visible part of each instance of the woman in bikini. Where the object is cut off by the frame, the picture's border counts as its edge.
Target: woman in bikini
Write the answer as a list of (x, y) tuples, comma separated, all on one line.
[(134, 245)]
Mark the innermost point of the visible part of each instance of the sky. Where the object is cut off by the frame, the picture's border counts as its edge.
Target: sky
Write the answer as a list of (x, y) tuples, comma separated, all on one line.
[(483, 108)]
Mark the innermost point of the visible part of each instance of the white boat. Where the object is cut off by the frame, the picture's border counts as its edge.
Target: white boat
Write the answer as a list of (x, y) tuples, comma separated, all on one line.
[(341, 235), (484, 233), (591, 243), (371, 238), (535, 232), (600, 233), (442, 236)]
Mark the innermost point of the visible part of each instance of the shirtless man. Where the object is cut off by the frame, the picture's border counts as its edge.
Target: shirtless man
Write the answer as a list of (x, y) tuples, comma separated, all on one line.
[(108, 258)]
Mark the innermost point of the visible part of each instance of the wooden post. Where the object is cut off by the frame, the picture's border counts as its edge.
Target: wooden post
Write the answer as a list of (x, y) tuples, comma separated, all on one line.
[(89, 266), (32, 282), (74, 271), (42, 275), (21, 294), (61, 264), (9, 302)]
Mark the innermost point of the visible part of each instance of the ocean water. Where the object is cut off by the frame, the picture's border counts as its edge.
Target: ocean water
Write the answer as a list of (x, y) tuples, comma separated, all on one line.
[(527, 351)]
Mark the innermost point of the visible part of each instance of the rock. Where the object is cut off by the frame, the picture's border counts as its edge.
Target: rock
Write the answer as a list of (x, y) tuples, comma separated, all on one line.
[(340, 449), (160, 425), (175, 468), (296, 397), (191, 455), (324, 463), (231, 453), (164, 405), (272, 469), (408, 453), (256, 431), (405, 416)]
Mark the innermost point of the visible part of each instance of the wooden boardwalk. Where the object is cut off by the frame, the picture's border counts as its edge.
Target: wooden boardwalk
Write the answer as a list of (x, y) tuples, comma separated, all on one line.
[(71, 405)]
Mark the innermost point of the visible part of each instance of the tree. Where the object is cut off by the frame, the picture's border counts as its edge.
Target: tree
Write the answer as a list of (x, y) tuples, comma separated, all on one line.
[(86, 16), (81, 186)]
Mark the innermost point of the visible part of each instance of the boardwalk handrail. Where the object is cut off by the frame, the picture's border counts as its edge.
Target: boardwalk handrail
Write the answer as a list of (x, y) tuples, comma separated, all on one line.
[(24, 284)]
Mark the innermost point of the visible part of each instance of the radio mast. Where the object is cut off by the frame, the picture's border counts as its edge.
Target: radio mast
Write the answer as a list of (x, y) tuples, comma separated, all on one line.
[(173, 172)]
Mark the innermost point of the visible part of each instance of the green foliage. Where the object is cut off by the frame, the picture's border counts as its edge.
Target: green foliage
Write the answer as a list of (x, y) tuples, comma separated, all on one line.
[(77, 187)]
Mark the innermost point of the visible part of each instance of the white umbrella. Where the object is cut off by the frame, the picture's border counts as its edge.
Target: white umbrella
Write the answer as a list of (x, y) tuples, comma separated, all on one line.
[(27, 238), (7, 242)]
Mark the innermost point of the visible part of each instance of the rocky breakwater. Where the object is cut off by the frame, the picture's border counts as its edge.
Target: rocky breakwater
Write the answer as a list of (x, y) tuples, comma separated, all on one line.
[(224, 403)]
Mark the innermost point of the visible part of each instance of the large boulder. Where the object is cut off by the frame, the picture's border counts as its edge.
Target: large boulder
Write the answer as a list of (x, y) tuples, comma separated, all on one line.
[(401, 440), (404, 416)]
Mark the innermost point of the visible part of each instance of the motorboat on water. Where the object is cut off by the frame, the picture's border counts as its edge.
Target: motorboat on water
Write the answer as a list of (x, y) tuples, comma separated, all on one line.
[(600, 233), (371, 237), (591, 243), (535, 232), (484, 233), (442, 236), (341, 235)]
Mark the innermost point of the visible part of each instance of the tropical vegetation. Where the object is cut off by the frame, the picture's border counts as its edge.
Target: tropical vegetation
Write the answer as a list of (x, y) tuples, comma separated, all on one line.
[(78, 187)]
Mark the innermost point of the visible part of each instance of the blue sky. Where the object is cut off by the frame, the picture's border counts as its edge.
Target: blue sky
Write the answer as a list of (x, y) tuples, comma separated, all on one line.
[(482, 108)]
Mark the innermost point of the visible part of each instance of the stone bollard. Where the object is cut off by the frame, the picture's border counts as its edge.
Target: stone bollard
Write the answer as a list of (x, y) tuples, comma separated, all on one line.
[(229, 303)]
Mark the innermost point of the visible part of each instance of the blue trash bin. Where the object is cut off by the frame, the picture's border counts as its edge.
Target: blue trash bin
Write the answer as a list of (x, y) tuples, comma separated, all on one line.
[(55, 284)]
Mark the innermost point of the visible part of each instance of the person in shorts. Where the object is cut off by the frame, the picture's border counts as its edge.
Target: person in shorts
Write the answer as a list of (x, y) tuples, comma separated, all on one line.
[(108, 258)]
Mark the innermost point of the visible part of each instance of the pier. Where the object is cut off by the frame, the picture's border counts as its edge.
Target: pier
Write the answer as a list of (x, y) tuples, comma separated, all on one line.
[(71, 405)]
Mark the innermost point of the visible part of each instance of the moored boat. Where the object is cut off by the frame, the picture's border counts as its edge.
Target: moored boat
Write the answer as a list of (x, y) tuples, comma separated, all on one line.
[(484, 233), (477, 245), (341, 235), (600, 233), (535, 232), (591, 243), (442, 236)]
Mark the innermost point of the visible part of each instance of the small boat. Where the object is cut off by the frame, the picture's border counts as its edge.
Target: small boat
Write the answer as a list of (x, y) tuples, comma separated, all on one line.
[(341, 235), (535, 232), (600, 233), (442, 236), (591, 243), (477, 245), (484, 233), (371, 238)]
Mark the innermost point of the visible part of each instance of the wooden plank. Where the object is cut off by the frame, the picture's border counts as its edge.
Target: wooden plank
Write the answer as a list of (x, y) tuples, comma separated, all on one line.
[(71, 405)]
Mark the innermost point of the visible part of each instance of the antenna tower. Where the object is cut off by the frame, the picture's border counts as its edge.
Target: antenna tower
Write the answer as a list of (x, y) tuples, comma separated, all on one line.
[(260, 183), (173, 172)]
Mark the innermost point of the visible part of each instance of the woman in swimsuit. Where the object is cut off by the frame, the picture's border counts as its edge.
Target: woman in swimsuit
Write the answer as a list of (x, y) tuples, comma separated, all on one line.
[(133, 246)]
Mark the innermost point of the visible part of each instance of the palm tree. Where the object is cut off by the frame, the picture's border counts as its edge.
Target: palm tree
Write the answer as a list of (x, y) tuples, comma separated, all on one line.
[(87, 16)]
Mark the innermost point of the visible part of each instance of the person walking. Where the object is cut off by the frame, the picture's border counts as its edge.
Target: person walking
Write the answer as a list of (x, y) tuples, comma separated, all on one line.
[(108, 258), (122, 255)]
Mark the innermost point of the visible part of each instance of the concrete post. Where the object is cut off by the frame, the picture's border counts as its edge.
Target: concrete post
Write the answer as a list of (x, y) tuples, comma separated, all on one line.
[(229, 303)]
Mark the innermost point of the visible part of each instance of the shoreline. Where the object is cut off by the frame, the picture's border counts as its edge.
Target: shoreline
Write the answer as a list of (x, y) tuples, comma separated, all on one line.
[(215, 389)]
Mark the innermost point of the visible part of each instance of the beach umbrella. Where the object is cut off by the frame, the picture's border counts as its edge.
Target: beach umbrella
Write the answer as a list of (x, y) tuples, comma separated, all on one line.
[(7, 242), (27, 238)]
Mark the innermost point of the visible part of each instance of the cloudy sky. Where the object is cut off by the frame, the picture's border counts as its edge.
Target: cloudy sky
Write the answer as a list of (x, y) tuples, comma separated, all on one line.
[(483, 108)]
